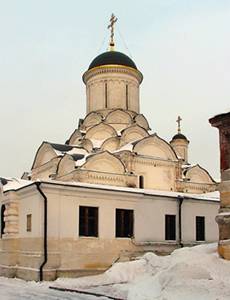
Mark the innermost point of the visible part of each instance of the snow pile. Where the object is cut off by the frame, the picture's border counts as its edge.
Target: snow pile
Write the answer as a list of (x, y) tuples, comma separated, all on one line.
[(188, 274)]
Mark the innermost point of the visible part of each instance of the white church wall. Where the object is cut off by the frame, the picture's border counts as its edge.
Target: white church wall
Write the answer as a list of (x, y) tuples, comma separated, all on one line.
[(149, 214), (97, 95), (193, 208), (150, 218), (117, 95), (134, 94), (63, 210), (160, 176), (70, 254), (31, 203)]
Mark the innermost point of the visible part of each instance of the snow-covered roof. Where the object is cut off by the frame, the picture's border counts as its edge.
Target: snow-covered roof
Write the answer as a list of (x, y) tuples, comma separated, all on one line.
[(15, 184)]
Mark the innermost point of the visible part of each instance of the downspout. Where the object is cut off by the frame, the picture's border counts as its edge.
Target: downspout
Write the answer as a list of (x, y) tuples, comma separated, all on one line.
[(180, 200), (45, 232)]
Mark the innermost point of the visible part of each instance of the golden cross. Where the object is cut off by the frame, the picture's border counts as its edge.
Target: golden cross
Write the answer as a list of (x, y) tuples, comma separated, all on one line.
[(113, 20), (179, 121)]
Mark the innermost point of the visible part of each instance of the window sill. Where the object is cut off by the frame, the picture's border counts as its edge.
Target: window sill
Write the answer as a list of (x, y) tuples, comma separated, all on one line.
[(88, 237), (123, 238)]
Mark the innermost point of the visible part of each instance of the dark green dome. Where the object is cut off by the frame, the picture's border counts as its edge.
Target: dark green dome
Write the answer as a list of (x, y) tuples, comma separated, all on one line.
[(179, 136), (112, 58)]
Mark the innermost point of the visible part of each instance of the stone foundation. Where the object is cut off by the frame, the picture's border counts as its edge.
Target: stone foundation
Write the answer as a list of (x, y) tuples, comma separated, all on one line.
[(22, 258)]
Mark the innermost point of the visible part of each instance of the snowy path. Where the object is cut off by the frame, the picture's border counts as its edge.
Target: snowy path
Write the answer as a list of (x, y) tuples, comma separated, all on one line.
[(16, 289)]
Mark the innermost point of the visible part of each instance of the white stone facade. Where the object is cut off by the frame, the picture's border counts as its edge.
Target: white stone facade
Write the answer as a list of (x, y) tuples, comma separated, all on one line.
[(72, 255), (114, 190), (112, 87)]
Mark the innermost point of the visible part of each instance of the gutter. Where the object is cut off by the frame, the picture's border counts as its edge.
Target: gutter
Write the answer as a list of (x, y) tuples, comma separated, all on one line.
[(45, 232), (180, 200)]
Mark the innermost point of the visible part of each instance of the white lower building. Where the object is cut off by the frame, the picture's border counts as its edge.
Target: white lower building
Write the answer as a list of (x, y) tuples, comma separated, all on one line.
[(76, 229)]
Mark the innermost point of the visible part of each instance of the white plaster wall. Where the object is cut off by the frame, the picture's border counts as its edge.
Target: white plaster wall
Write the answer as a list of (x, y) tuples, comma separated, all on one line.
[(134, 95), (191, 209), (116, 91), (63, 210), (181, 151), (31, 203), (181, 148), (159, 177), (149, 214), (97, 95), (150, 218)]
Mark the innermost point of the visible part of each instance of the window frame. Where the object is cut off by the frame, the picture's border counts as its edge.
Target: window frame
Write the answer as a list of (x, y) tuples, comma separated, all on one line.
[(141, 182), (123, 231), (3, 223), (84, 230), (169, 234), (29, 222), (200, 231)]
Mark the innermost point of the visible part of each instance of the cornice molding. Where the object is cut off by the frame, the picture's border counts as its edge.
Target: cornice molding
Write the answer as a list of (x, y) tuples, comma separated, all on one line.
[(112, 69)]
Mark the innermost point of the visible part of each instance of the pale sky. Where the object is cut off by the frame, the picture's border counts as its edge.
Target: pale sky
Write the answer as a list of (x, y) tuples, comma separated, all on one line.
[(182, 47)]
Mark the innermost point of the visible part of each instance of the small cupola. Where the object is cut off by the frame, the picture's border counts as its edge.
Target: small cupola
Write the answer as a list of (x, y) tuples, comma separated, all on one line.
[(180, 143)]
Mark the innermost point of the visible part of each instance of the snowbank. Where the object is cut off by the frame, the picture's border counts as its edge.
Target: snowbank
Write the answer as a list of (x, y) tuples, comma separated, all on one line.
[(188, 274)]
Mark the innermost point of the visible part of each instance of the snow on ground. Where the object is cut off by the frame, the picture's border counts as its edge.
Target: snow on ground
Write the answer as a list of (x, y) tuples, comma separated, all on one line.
[(195, 273), (187, 274), (16, 289)]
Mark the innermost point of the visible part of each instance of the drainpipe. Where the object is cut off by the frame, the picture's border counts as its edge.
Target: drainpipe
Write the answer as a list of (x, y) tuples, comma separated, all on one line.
[(45, 231), (180, 200)]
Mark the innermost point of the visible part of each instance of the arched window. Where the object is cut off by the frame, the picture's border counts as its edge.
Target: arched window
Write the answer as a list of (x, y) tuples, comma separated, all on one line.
[(3, 208), (141, 181)]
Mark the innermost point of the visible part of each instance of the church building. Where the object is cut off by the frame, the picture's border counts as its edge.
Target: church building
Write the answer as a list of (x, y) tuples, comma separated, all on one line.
[(113, 191)]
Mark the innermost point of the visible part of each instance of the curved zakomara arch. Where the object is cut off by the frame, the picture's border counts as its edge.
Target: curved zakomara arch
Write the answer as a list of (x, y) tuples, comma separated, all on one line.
[(198, 174), (111, 144), (43, 155), (118, 116), (142, 121), (87, 145), (65, 165), (104, 162), (75, 138), (155, 146), (132, 134), (132, 113), (100, 132), (92, 119)]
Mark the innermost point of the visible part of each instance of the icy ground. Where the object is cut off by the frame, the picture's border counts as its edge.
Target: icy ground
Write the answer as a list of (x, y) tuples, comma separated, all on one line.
[(195, 273), (16, 289)]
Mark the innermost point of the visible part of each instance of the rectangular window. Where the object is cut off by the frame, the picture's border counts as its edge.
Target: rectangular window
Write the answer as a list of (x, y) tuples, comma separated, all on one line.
[(170, 227), (28, 223), (141, 181), (3, 208), (200, 228), (127, 96), (88, 221), (124, 223), (106, 95)]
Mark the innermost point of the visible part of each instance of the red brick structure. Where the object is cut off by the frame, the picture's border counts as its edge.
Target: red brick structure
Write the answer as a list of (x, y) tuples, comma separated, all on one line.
[(222, 122)]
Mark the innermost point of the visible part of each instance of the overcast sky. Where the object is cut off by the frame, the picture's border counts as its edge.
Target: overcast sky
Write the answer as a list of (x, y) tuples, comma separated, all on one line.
[(182, 47)]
